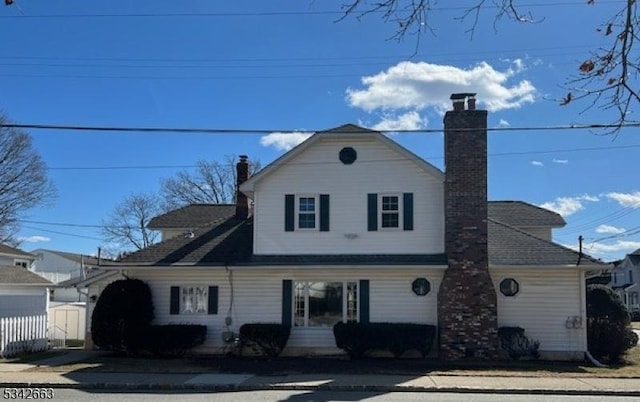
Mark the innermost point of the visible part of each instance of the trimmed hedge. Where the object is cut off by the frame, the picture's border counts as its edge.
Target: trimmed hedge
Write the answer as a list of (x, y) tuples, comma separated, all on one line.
[(359, 338), (609, 334), (121, 315), (175, 339), (265, 339), (516, 344)]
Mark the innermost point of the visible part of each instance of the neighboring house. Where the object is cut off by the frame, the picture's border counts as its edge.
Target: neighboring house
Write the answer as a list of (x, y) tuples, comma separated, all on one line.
[(22, 293), (351, 226), (64, 268), (625, 280)]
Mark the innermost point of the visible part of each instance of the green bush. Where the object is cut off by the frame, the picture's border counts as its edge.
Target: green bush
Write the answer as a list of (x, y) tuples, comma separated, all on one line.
[(121, 316), (516, 344), (609, 334), (175, 339), (265, 339), (359, 338)]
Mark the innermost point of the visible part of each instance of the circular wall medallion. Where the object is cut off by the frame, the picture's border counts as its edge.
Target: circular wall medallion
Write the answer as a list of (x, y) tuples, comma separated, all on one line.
[(421, 286), (348, 155)]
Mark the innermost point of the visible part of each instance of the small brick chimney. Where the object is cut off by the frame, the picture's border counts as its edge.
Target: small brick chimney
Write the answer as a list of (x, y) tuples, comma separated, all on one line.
[(242, 175), (467, 305)]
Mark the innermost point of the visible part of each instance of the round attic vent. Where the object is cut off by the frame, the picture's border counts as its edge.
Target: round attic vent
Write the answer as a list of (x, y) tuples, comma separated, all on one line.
[(348, 155)]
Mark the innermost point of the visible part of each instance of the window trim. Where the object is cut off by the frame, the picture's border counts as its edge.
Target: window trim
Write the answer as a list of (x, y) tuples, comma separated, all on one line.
[(316, 212), (399, 211), (345, 301), (20, 262)]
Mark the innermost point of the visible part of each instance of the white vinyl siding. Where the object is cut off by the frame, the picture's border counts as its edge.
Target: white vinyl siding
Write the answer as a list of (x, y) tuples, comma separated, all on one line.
[(379, 170), (546, 299)]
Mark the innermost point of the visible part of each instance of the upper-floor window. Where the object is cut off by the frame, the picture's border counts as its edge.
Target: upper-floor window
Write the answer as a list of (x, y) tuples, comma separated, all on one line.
[(630, 276), (21, 263), (306, 212), (389, 211)]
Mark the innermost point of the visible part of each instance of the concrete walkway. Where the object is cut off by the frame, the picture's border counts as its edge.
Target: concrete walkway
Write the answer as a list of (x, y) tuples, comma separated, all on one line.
[(14, 375)]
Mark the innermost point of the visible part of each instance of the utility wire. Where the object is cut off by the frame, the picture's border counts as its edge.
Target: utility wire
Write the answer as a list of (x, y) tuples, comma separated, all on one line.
[(592, 126), (273, 13), (63, 233)]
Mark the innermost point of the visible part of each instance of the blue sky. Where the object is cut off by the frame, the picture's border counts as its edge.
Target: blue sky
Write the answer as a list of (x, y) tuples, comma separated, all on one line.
[(287, 65)]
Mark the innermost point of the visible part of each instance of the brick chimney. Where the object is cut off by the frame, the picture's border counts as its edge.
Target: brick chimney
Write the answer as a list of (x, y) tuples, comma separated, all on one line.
[(242, 175), (467, 305)]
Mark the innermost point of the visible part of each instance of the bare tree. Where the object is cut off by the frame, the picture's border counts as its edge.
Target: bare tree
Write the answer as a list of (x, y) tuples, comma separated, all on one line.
[(212, 183), (23, 179), (127, 224), (608, 76)]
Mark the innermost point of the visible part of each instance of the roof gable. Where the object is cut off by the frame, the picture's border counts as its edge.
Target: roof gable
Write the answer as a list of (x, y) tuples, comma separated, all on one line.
[(342, 132)]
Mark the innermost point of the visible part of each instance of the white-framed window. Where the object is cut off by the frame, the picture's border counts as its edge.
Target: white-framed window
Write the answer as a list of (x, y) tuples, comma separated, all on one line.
[(633, 299), (21, 263), (307, 212), (193, 299), (390, 211), (323, 304)]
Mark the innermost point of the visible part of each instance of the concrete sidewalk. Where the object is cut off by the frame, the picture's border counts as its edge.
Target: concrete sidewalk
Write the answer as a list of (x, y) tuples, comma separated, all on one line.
[(14, 375)]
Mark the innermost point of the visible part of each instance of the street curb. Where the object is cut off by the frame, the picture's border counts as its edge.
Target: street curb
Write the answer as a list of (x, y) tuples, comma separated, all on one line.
[(325, 387)]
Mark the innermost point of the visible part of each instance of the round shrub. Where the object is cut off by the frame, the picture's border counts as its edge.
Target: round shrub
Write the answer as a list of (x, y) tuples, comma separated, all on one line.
[(121, 316), (609, 334)]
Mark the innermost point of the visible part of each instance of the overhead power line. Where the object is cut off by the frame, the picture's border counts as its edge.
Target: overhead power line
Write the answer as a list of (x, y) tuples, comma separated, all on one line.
[(165, 130), (336, 13)]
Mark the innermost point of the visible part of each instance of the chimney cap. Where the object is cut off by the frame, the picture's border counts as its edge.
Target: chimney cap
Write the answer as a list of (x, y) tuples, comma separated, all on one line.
[(462, 95), (243, 158)]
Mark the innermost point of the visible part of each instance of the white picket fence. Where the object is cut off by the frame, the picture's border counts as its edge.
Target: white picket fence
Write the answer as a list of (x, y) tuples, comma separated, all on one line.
[(23, 334)]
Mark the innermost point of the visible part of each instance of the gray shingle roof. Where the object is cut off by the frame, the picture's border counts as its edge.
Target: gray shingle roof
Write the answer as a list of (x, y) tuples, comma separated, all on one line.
[(20, 276), (510, 246), (4, 249), (521, 214), (231, 243), (193, 216), (227, 242)]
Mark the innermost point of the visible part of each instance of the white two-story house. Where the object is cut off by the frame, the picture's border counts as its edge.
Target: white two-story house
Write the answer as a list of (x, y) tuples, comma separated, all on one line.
[(351, 226), (625, 280)]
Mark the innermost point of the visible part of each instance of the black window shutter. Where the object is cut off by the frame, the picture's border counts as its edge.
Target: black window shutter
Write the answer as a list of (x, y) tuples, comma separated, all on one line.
[(324, 212), (407, 211), (174, 304), (213, 300), (372, 212), (287, 301), (289, 212), (364, 300)]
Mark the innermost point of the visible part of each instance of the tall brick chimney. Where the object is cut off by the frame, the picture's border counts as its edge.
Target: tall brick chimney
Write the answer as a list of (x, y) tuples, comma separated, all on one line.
[(242, 175), (467, 305)]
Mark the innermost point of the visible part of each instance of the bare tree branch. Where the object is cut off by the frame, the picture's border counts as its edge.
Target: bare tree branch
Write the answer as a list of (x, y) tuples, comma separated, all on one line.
[(23, 179), (212, 183), (127, 224)]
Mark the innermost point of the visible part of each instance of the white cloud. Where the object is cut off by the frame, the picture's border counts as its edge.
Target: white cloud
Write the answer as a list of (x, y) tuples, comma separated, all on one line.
[(420, 85), (566, 206), (537, 163), (407, 121), (560, 161), (631, 200), (34, 239), (609, 229), (503, 123), (283, 141), (618, 246)]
